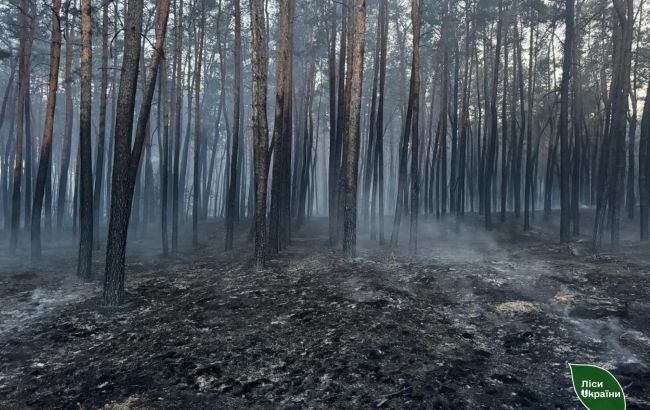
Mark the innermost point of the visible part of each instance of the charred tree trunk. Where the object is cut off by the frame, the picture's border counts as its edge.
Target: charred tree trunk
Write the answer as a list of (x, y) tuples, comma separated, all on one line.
[(351, 144), (491, 151), (127, 159), (408, 127), (415, 147), (379, 146), (84, 266), (308, 143), (164, 177), (99, 162), (612, 170), (23, 86), (504, 130), (260, 138), (464, 121), (565, 205), (281, 132), (522, 126), (577, 125), (644, 167), (10, 92), (441, 197), (630, 199), (44, 166), (196, 179), (177, 107), (335, 173), (369, 166), (528, 183), (232, 188), (67, 131), (333, 160)]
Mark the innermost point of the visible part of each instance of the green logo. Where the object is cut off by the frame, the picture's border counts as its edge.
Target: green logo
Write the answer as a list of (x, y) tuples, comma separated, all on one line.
[(596, 388)]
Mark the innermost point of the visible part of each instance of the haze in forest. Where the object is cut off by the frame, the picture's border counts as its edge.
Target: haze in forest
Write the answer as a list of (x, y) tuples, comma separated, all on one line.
[(361, 185)]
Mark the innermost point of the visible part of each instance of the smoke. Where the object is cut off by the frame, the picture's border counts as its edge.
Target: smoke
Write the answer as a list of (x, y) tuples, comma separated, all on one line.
[(27, 307), (478, 268)]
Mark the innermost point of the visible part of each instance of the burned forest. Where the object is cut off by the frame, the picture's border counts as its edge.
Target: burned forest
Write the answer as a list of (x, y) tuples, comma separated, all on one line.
[(338, 204)]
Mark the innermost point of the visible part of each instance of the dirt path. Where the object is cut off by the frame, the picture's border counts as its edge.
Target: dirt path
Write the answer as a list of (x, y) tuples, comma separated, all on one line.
[(472, 321)]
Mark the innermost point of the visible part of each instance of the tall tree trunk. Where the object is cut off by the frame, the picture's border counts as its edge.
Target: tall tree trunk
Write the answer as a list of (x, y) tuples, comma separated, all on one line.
[(335, 173), (369, 167), (164, 178), (197, 131), (23, 86), (111, 144), (213, 156), (565, 211), (464, 120), (333, 159), (127, 159), (177, 107), (504, 129), (408, 128), (630, 199), (612, 170), (188, 124), (29, 144), (522, 126), (528, 183), (307, 148), (10, 92), (260, 137), (84, 266), (351, 142), (99, 163), (44, 166), (232, 189), (644, 167), (415, 126), (441, 176), (491, 151), (578, 119), (379, 146), (281, 131)]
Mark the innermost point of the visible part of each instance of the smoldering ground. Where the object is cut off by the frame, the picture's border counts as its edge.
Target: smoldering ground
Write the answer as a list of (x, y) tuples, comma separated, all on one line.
[(473, 320)]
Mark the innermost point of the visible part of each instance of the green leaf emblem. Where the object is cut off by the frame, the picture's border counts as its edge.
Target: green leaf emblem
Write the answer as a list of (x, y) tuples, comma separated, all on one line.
[(597, 388)]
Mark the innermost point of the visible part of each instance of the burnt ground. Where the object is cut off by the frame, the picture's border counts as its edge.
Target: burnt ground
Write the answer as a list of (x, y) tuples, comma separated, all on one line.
[(475, 320)]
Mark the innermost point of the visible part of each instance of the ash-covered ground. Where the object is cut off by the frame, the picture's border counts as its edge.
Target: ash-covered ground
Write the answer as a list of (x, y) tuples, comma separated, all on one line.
[(474, 320)]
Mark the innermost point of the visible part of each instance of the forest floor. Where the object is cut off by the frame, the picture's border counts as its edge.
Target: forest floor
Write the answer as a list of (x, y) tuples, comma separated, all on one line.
[(474, 320)]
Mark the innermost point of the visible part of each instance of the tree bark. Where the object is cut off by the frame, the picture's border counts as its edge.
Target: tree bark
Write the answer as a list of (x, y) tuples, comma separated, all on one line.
[(127, 159), (491, 150), (334, 161), (644, 167), (281, 131), (351, 145), (99, 162), (232, 188), (415, 126), (504, 130), (84, 266), (44, 163), (612, 169), (260, 137), (197, 131), (178, 94), (23, 89), (164, 178), (528, 183), (565, 206), (379, 146)]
